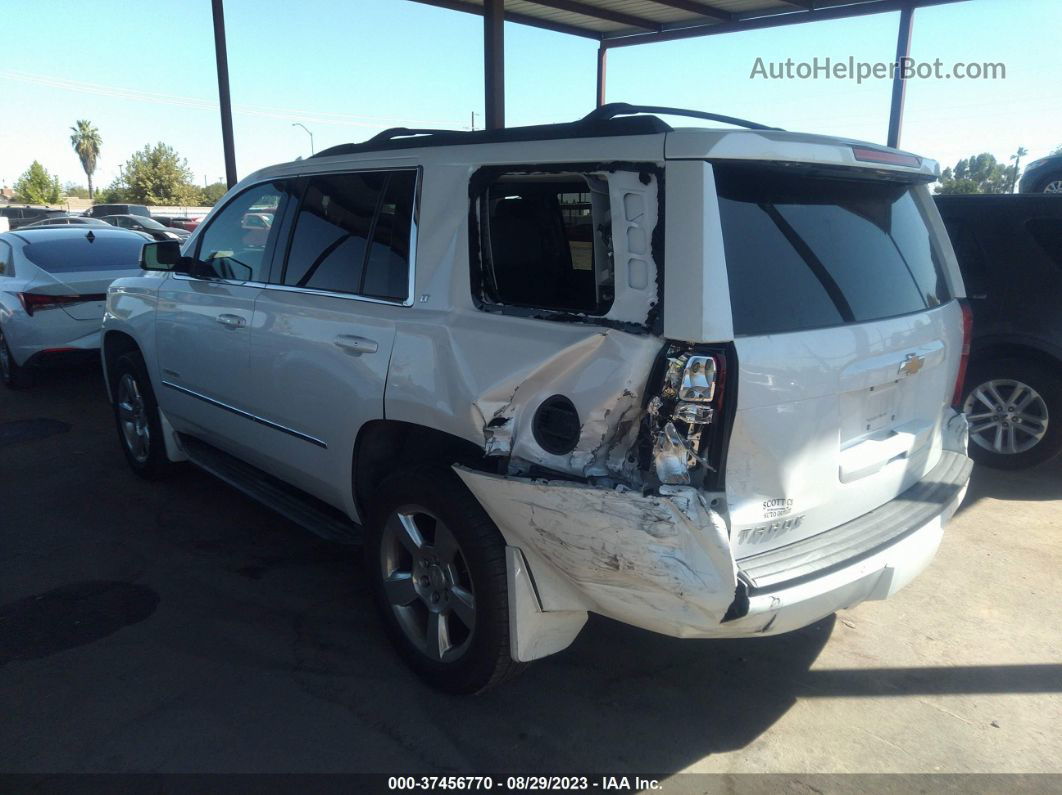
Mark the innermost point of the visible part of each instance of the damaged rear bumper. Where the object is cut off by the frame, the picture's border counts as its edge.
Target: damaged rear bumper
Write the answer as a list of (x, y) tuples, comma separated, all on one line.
[(664, 563)]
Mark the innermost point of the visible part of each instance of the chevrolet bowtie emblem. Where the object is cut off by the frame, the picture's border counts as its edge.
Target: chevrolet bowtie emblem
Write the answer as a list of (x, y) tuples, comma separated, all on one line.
[(911, 364)]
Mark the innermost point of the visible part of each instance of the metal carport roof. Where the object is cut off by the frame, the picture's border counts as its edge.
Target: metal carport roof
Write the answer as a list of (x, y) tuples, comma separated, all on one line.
[(621, 23)]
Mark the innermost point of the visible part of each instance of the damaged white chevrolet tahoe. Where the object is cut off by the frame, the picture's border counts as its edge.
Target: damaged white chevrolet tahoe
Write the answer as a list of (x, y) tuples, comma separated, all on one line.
[(700, 381)]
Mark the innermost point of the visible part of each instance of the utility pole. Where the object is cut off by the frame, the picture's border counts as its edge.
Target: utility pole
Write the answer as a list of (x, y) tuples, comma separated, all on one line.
[(222, 57)]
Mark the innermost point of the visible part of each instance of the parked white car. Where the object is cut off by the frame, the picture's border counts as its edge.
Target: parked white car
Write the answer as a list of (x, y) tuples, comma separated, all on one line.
[(697, 380), (53, 284)]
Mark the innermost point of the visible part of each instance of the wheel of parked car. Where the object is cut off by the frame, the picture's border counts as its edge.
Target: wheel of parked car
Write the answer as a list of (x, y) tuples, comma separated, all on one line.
[(13, 376), (137, 416), (1052, 185), (437, 565), (1015, 412)]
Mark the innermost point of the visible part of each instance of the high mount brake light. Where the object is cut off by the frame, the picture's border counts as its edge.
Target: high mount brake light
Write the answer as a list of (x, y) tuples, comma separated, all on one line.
[(867, 155), (33, 302)]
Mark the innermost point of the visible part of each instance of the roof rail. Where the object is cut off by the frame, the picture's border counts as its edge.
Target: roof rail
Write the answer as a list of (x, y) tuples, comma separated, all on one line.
[(614, 109), (617, 118)]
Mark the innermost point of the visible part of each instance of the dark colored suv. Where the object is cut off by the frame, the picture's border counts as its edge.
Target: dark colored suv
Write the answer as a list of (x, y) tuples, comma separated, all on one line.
[(26, 214), (1043, 176), (100, 210), (1010, 251)]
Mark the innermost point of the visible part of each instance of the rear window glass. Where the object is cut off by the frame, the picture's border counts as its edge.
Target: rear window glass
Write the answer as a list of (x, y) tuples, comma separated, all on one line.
[(808, 252), (76, 253), (1047, 232)]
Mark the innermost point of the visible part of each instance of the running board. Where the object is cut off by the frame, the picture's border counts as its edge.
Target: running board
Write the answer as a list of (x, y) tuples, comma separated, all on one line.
[(305, 510)]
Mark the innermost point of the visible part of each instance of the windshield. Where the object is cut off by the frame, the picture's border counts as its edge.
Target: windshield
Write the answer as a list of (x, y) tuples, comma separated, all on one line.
[(76, 253), (808, 251), (149, 223)]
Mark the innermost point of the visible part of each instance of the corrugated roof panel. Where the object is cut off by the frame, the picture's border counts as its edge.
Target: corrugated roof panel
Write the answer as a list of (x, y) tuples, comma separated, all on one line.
[(643, 18)]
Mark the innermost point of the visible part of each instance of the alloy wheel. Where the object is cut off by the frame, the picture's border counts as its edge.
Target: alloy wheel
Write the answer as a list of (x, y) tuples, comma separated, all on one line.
[(426, 582), (1054, 186), (132, 414), (1006, 416)]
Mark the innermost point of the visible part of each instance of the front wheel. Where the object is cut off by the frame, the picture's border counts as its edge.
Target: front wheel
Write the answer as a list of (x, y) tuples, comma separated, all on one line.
[(1014, 408), (436, 563), (136, 415)]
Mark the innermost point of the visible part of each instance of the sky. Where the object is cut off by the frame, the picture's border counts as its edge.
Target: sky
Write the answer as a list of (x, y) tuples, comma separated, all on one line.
[(145, 72)]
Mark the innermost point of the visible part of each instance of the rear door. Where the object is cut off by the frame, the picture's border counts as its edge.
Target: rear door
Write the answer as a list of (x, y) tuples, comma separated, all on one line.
[(323, 332), (203, 325), (847, 341)]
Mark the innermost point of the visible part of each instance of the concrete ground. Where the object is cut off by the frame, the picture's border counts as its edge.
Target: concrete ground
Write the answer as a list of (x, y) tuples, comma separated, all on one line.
[(180, 627)]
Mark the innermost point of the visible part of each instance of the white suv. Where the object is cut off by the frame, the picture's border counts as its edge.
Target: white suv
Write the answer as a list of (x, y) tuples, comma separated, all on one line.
[(697, 380)]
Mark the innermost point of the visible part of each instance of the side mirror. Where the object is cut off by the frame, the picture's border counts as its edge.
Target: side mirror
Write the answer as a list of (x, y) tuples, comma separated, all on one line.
[(164, 255)]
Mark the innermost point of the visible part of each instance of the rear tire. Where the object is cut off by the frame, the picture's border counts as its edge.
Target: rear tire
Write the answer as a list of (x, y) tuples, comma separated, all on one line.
[(436, 563), (12, 374), (136, 415), (1015, 411)]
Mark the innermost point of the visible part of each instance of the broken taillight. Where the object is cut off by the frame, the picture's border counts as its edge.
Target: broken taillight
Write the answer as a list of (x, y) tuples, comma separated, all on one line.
[(682, 412), (964, 358)]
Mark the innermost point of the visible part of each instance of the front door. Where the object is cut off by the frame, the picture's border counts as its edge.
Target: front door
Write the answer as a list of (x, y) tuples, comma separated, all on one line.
[(322, 337), (203, 327)]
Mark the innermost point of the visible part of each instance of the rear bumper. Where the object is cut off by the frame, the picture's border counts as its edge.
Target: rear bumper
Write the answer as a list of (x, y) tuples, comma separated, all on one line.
[(663, 562), (871, 557)]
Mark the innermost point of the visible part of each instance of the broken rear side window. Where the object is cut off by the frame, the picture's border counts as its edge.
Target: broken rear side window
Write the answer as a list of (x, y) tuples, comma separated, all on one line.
[(544, 243)]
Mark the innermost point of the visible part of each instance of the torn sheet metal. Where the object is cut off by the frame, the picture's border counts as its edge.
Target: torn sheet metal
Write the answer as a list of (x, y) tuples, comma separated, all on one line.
[(659, 562), (603, 375)]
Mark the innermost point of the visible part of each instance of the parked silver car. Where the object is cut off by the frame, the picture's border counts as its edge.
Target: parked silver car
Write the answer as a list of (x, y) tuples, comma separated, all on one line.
[(53, 284)]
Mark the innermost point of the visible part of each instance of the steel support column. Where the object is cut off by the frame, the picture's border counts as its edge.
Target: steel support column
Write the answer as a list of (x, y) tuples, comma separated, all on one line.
[(494, 63), (602, 67), (899, 84), (221, 54)]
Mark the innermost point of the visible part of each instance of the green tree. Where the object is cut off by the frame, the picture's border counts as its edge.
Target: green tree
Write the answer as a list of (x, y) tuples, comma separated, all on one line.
[(156, 175), (211, 193), (72, 189), (978, 174), (86, 142), (37, 186)]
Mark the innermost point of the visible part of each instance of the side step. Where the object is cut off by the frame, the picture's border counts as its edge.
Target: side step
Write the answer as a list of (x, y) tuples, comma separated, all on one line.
[(298, 506)]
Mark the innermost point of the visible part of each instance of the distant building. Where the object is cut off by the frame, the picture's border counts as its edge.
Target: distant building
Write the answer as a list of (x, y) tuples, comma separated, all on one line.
[(7, 194)]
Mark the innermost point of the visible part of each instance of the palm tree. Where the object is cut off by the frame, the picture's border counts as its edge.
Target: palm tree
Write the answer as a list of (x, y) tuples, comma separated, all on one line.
[(1016, 168), (86, 142)]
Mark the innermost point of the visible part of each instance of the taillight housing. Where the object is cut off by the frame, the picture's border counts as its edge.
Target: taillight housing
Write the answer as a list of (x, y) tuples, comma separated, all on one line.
[(964, 358), (34, 302), (682, 441)]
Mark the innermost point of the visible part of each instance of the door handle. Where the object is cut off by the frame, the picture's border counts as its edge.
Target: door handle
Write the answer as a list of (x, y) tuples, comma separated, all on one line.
[(231, 321), (355, 346)]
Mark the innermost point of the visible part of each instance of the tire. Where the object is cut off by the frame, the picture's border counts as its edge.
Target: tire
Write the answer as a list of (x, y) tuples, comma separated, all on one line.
[(13, 375), (1053, 184), (136, 417), (443, 575), (1033, 431)]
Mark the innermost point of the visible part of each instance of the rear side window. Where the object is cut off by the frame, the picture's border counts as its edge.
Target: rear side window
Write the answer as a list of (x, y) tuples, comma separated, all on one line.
[(1047, 232), (353, 234), (6, 260), (73, 253), (808, 252), (545, 243), (969, 253)]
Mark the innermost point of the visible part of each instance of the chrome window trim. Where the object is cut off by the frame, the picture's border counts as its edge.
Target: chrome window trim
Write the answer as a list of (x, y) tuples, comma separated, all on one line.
[(246, 414), (413, 237)]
